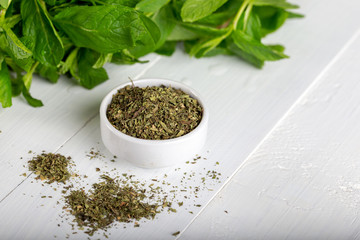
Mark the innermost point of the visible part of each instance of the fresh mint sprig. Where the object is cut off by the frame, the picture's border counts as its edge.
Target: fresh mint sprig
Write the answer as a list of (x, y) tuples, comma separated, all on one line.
[(77, 37)]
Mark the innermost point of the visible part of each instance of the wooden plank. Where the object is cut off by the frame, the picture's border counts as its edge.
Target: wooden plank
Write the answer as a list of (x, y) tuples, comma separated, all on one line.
[(303, 181), (248, 103), (27, 196), (245, 103), (67, 109)]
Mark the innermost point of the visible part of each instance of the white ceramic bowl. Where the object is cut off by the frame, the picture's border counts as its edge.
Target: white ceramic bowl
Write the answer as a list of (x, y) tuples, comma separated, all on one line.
[(153, 153)]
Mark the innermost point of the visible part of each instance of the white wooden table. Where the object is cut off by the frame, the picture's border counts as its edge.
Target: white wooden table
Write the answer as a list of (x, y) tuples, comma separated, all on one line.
[(287, 139)]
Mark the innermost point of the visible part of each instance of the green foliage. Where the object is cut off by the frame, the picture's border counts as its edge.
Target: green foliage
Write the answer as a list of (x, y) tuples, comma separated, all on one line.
[(40, 34), (119, 27), (5, 85), (194, 10), (151, 5), (89, 76), (5, 3), (77, 38), (255, 48)]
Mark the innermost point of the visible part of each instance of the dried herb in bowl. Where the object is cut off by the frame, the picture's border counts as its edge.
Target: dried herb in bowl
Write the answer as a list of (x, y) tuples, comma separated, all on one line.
[(156, 112)]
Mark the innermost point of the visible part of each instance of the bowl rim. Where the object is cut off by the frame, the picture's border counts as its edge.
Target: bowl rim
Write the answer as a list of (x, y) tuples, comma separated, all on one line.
[(154, 82)]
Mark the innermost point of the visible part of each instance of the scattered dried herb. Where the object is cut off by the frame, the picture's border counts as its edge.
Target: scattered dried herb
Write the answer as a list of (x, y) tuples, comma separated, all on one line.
[(108, 202), (94, 154), (51, 167), (154, 112), (126, 198)]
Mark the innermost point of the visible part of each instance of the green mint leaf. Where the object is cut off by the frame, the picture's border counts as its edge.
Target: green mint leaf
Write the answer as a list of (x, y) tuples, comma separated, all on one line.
[(222, 15), (194, 10), (151, 5), (58, 2), (216, 19), (5, 3), (67, 43), (16, 88), (125, 57), (167, 49), (50, 2), (203, 47), (127, 3), (295, 15), (231, 46), (70, 63), (13, 20), (48, 72), (252, 26), (27, 78), (24, 63), (204, 31), (119, 28), (165, 21), (271, 18), (43, 39), (180, 33), (32, 101), (5, 85), (277, 47), (15, 47), (148, 39), (2, 58), (246, 56), (220, 49), (255, 48), (89, 76), (103, 58), (16, 83), (274, 3)]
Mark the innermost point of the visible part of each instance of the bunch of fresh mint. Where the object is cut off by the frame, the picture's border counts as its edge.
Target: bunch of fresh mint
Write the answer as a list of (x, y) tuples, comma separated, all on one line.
[(77, 37)]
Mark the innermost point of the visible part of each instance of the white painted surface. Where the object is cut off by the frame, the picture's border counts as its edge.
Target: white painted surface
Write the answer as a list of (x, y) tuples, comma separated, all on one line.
[(245, 104), (67, 109), (303, 181)]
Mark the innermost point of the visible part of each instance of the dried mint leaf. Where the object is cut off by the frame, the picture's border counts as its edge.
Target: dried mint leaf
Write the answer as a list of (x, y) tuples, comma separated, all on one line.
[(154, 112), (108, 202), (51, 167)]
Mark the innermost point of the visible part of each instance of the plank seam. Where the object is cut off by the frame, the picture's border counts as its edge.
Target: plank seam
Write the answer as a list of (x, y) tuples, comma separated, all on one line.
[(14, 188), (279, 122)]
